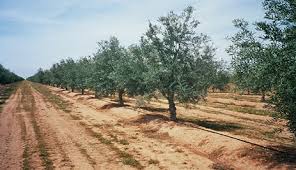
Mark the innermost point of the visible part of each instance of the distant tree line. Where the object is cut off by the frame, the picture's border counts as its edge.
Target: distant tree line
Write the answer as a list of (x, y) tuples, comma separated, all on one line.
[(172, 59), (264, 56), (7, 77)]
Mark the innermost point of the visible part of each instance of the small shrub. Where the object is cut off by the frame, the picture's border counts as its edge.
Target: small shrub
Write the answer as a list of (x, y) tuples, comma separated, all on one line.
[(130, 161), (140, 102), (123, 142), (153, 161)]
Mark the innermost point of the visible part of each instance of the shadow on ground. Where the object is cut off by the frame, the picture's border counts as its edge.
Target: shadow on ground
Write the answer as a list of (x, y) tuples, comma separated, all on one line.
[(274, 157), (150, 118), (214, 125), (153, 109), (112, 105)]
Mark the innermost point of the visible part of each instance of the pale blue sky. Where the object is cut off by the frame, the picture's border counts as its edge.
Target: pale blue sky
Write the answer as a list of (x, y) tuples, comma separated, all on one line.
[(38, 33)]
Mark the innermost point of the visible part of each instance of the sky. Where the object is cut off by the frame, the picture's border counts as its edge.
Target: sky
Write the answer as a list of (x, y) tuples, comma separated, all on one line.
[(38, 33)]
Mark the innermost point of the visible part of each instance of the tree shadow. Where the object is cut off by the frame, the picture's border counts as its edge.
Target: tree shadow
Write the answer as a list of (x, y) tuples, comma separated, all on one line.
[(214, 125), (92, 97), (125, 100), (274, 156), (287, 156), (153, 109), (112, 105), (78, 94), (61, 90), (149, 118)]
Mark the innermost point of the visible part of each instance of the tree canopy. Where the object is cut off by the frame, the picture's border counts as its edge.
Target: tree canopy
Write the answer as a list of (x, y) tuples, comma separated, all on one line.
[(181, 63), (172, 58), (7, 76), (268, 62)]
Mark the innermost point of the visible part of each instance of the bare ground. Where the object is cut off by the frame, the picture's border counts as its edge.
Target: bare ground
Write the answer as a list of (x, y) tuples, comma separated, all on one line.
[(48, 128)]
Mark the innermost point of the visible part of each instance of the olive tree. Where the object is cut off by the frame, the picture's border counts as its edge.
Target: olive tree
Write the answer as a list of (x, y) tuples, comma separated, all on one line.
[(56, 74), (116, 70), (83, 73), (221, 79), (249, 56), (180, 60), (70, 73), (279, 32)]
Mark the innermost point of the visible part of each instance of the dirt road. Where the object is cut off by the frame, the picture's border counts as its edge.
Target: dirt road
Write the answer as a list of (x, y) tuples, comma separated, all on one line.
[(46, 128)]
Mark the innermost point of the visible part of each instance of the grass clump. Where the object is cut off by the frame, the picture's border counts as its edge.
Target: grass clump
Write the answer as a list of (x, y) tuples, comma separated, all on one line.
[(26, 165), (123, 142), (272, 134), (153, 161), (130, 161)]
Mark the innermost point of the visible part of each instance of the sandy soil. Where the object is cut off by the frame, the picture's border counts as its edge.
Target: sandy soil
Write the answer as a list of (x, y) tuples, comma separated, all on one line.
[(231, 150), (97, 134), (10, 136)]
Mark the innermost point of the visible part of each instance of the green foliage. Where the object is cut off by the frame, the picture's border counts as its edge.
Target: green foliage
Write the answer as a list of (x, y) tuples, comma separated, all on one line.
[(249, 56), (70, 73), (221, 78), (118, 69), (280, 30), (268, 62), (172, 58), (180, 60), (83, 69), (109, 54), (7, 77)]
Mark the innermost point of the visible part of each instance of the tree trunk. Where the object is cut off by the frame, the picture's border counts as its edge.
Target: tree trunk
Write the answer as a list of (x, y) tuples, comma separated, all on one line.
[(72, 89), (96, 94), (263, 96), (249, 92), (172, 107), (66, 88), (82, 91), (120, 97)]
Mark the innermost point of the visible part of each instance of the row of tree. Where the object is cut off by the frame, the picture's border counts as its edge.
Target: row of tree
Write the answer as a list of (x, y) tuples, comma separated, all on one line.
[(264, 56), (172, 58), (175, 60), (7, 76)]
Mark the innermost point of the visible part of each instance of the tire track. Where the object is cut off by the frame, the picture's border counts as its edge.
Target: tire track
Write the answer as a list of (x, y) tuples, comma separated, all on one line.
[(10, 136), (83, 150)]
